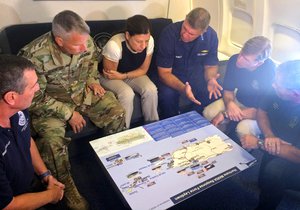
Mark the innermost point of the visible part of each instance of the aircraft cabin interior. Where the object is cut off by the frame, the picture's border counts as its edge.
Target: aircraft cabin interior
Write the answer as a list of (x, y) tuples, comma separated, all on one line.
[(96, 176)]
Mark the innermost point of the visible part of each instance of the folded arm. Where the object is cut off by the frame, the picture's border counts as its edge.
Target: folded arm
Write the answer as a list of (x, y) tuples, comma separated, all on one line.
[(273, 144), (53, 193), (110, 69)]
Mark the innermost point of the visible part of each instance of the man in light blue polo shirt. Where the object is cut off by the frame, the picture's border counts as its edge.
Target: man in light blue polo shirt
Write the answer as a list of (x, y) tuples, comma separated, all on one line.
[(187, 63)]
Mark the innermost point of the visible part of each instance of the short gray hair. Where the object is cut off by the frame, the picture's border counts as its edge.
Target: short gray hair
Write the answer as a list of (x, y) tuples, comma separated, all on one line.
[(68, 21), (289, 72), (198, 18), (258, 45)]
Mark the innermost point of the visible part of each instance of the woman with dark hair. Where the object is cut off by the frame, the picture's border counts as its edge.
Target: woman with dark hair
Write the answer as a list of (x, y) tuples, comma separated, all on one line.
[(126, 60)]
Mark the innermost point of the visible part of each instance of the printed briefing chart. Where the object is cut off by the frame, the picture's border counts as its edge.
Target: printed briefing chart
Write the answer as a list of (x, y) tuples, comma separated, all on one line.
[(169, 160)]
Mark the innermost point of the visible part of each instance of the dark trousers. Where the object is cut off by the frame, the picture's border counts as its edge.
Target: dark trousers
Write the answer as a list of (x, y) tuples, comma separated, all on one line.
[(276, 175), (168, 99)]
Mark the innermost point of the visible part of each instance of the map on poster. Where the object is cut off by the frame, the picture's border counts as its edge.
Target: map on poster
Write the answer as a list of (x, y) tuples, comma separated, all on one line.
[(169, 160), (119, 141)]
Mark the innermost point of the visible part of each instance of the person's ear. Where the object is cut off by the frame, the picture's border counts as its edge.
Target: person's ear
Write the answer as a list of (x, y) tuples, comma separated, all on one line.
[(259, 58), (259, 63), (127, 35), (59, 41), (10, 97)]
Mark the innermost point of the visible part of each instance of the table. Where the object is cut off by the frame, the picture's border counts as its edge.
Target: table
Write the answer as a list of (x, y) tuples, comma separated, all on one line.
[(158, 165)]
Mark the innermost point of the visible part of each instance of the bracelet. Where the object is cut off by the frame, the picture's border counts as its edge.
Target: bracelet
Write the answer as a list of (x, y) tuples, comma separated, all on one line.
[(45, 174)]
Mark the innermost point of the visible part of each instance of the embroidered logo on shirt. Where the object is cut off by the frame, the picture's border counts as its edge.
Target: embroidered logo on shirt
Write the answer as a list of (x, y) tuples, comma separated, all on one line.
[(293, 122), (202, 53), (5, 150), (178, 56), (22, 119), (275, 106), (255, 85)]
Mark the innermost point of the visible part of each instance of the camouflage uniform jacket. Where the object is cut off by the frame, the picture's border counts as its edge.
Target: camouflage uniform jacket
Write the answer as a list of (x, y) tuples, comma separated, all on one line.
[(63, 78)]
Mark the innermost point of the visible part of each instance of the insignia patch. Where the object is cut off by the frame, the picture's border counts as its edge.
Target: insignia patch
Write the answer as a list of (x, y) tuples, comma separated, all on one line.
[(293, 122), (22, 118), (202, 53), (255, 85), (275, 106)]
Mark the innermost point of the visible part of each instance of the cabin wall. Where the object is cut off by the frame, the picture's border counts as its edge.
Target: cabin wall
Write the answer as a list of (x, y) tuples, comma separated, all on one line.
[(234, 20), (30, 11), (238, 20)]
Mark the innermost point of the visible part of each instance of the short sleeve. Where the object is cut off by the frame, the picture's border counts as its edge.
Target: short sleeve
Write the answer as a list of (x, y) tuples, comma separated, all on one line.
[(150, 47), (166, 47), (229, 78), (112, 51), (212, 41), (265, 101)]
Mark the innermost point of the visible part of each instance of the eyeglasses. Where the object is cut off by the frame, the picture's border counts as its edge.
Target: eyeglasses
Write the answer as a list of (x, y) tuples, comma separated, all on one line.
[(250, 60)]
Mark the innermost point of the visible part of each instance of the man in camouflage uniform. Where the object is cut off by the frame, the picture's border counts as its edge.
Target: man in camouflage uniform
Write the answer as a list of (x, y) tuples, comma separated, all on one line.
[(66, 62)]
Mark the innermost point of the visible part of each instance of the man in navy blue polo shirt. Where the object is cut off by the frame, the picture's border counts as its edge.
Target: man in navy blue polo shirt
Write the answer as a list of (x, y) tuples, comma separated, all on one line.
[(279, 120), (187, 63), (19, 157), (249, 76)]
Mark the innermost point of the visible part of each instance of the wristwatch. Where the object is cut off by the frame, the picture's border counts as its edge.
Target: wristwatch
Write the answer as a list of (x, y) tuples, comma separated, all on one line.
[(45, 174), (225, 115), (261, 144)]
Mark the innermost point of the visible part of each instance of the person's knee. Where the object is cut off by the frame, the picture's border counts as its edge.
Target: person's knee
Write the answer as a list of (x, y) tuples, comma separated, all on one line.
[(247, 126), (126, 95), (209, 113), (105, 110), (106, 104), (243, 128), (213, 109), (150, 91)]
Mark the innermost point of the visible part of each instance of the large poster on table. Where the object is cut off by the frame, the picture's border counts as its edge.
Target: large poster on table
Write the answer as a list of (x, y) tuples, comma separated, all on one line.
[(161, 164)]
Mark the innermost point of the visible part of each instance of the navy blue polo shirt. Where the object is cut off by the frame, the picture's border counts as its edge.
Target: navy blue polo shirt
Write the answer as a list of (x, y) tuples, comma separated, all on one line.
[(187, 59), (284, 117), (251, 85), (16, 169)]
